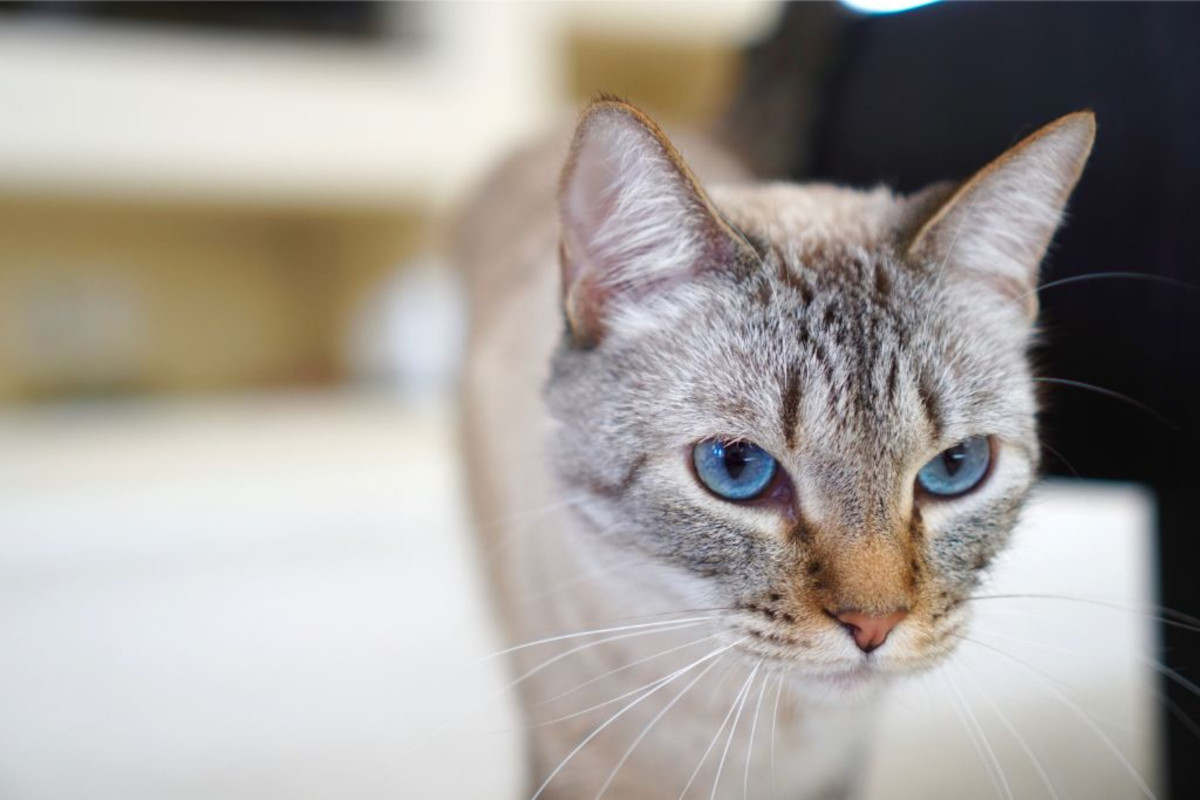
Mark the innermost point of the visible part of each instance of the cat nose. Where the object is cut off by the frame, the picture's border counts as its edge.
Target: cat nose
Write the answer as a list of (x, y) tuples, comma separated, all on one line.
[(869, 630)]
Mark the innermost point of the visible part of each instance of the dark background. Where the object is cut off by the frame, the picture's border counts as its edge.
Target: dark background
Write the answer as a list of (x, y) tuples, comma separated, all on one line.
[(936, 93)]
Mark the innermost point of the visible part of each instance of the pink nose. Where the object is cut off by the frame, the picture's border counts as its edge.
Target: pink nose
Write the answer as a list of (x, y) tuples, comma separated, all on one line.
[(869, 631)]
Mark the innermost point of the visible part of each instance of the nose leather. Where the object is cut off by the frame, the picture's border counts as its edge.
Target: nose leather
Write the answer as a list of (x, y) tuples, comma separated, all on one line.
[(869, 630)]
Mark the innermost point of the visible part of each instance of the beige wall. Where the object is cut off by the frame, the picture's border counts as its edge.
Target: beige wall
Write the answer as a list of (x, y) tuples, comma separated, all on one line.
[(679, 82)]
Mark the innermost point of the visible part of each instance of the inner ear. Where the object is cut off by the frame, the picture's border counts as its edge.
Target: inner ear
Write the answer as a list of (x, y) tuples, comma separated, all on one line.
[(994, 230), (634, 219)]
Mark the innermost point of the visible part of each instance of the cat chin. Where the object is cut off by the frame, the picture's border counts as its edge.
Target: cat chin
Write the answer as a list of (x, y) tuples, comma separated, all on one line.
[(850, 688), (853, 686)]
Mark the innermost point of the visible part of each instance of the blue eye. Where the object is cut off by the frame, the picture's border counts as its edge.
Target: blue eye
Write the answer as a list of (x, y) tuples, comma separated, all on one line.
[(733, 470), (958, 469)]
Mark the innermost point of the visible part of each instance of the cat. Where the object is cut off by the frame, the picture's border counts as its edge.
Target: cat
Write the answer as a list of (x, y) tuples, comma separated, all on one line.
[(742, 449)]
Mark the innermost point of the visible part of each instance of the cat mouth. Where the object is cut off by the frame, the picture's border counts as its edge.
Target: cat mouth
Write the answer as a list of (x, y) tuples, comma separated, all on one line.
[(847, 675), (851, 674)]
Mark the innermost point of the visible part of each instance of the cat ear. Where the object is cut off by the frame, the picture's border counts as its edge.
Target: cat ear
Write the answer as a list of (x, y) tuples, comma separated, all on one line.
[(996, 227), (634, 219)]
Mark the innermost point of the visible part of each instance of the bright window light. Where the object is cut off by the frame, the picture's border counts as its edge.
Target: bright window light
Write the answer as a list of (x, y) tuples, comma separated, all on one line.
[(885, 6)]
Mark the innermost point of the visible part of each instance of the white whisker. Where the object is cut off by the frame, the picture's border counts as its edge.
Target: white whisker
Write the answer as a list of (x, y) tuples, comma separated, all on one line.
[(517, 523), (586, 575), (588, 645), (645, 731), (630, 665), (618, 715), (1021, 640), (594, 632), (1163, 279), (999, 776), (750, 745), (665, 626), (1171, 674), (713, 743), (745, 694), (1080, 714), (774, 725), (1109, 393), (1167, 616), (1037, 764), (621, 697)]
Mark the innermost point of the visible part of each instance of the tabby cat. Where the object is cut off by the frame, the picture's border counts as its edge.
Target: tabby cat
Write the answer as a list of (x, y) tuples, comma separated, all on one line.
[(742, 450)]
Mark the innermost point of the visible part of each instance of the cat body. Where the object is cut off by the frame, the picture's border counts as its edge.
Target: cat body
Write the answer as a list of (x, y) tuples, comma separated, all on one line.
[(857, 347)]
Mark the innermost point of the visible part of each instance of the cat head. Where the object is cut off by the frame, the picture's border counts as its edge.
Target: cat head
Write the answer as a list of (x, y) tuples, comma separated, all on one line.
[(809, 405)]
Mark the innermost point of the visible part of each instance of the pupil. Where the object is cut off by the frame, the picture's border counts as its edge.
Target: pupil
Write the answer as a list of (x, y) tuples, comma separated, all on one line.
[(735, 460), (953, 459)]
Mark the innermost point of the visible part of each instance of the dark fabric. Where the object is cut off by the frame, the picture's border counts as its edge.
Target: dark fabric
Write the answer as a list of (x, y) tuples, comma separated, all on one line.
[(936, 93)]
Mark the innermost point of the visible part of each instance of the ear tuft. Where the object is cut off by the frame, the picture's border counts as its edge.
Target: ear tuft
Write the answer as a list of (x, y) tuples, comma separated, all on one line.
[(996, 227), (634, 219)]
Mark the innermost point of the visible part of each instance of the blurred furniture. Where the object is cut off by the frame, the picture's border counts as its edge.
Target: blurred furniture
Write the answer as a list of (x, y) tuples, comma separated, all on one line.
[(199, 208)]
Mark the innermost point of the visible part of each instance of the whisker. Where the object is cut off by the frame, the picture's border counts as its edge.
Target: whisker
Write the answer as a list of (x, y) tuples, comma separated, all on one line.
[(1061, 458), (615, 717), (621, 697), (1161, 668), (1093, 276), (1025, 747), (701, 610), (979, 740), (517, 523), (630, 665), (582, 577), (1171, 674), (750, 745), (531, 514), (665, 626), (713, 743), (1078, 712), (1020, 640), (565, 636), (745, 693), (645, 731), (1110, 393), (1159, 695), (1182, 717), (774, 724), (1167, 616), (1171, 705), (588, 645)]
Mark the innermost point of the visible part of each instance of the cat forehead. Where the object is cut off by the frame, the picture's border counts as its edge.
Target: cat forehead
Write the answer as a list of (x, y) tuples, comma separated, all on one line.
[(815, 216)]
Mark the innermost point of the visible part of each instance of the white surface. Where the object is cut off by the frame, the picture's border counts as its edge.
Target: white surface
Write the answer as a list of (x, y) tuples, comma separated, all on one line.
[(274, 598)]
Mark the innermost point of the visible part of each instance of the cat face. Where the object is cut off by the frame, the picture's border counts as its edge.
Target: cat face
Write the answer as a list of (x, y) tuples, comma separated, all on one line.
[(811, 406)]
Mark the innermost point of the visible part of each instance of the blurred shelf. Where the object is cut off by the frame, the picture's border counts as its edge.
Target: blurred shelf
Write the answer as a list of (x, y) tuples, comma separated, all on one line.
[(145, 113), (137, 113)]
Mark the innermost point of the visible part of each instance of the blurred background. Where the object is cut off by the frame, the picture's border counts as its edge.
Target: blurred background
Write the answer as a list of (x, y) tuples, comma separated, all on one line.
[(229, 339)]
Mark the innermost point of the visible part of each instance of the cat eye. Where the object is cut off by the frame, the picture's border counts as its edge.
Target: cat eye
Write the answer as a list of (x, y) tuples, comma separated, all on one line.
[(957, 470), (733, 470)]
